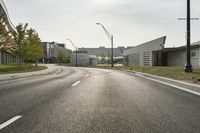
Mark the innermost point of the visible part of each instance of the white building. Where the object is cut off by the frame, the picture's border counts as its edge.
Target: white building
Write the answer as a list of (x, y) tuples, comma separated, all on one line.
[(83, 59), (177, 56), (51, 51), (103, 51), (154, 53)]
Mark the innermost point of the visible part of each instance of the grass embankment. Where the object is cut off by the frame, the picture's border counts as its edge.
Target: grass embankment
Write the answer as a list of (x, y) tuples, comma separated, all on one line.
[(14, 68), (168, 72)]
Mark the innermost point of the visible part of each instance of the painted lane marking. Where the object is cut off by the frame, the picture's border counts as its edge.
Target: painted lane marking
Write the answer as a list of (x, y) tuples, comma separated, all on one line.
[(76, 83), (171, 85), (5, 124), (87, 75)]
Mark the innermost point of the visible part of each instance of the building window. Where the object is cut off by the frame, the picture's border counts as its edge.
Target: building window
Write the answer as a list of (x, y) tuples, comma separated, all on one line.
[(146, 58), (193, 54)]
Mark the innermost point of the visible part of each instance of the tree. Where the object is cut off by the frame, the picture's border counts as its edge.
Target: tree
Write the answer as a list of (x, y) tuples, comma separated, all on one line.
[(63, 57), (32, 49), (28, 44), (67, 57), (6, 43), (103, 60), (20, 39)]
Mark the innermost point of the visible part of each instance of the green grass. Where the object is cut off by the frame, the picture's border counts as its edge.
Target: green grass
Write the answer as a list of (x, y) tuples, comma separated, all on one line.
[(168, 72), (14, 68)]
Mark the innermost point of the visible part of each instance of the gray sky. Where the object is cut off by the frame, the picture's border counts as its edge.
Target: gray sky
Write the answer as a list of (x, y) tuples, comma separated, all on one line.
[(132, 22)]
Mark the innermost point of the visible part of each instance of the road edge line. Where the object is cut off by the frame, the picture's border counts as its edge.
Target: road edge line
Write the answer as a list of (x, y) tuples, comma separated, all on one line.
[(171, 85), (10, 121)]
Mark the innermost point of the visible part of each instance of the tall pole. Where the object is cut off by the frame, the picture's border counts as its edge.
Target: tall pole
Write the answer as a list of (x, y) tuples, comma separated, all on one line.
[(112, 51), (76, 56), (76, 50), (188, 66), (111, 38)]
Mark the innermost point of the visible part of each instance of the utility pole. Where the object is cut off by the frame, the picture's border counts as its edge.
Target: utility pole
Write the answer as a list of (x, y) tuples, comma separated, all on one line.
[(112, 51), (111, 38), (76, 56), (76, 51), (188, 65)]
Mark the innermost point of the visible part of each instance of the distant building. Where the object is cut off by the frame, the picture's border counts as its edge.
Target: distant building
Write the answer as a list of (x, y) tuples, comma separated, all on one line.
[(177, 56), (5, 56), (51, 51), (83, 59), (104, 52), (154, 53)]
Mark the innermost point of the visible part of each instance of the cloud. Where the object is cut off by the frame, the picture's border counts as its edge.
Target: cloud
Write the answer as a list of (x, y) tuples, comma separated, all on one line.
[(131, 21)]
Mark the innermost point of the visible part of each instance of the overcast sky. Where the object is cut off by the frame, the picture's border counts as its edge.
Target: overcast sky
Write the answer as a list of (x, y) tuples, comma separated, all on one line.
[(132, 22)]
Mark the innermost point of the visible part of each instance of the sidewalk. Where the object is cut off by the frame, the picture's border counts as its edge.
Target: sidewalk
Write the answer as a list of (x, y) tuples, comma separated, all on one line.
[(189, 87), (52, 68)]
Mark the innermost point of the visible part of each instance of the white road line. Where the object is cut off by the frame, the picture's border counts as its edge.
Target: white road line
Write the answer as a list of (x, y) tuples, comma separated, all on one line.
[(5, 124), (76, 83), (168, 84), (87, 75)]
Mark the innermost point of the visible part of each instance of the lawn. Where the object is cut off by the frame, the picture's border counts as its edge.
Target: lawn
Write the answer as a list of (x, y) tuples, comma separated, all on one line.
[(168, 72), (14, 68)]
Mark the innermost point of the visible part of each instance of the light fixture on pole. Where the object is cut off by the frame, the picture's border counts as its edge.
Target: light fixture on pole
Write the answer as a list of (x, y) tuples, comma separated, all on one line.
[(76, 50), (110, 36)]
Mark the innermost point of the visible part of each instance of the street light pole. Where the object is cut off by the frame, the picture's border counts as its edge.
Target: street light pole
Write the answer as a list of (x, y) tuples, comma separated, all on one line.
[(76, 49), (111, 38), (76, 56), (188, 66), (112, 51)]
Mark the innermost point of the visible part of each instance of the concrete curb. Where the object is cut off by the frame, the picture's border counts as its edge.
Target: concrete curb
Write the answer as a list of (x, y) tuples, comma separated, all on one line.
[(178, 83), (17, 76)]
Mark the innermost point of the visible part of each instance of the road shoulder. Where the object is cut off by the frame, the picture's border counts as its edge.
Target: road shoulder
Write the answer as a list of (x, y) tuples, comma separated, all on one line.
[(51, 69), (189, 87)]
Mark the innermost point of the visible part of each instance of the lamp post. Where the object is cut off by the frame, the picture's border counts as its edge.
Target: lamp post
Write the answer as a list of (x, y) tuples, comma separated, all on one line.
[(188, 66), (76, 49), (111, 38)]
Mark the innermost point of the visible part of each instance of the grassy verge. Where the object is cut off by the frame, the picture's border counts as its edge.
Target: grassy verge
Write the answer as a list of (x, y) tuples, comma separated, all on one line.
[(168, 72), (14, 68)]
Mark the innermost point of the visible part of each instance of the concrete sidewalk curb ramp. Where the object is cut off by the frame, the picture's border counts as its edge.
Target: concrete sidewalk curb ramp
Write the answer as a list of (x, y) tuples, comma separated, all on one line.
[(15, 76), (193, 87)]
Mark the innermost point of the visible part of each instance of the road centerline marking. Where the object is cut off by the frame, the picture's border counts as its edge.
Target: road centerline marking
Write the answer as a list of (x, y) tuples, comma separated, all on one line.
[(87, 75), (76, 83), (5, 124)]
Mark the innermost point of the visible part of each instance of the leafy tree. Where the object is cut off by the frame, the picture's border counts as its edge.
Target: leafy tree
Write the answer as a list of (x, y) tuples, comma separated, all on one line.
[(20, 39), (6, 43), (61, 57), (32, 49), (28, 44), (67, 58), (103, 59)]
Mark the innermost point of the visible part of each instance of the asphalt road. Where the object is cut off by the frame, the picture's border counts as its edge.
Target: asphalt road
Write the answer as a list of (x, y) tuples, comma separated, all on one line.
[(87, 100)]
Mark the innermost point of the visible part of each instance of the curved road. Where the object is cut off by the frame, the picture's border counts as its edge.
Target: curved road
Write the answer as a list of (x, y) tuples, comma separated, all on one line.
[(87, 100)]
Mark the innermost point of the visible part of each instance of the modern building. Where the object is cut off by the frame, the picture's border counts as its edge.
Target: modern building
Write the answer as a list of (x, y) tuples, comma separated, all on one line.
[(154, 53), (51, 51), (177, 56), (5, 56), (82, 58), (103, 51)]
